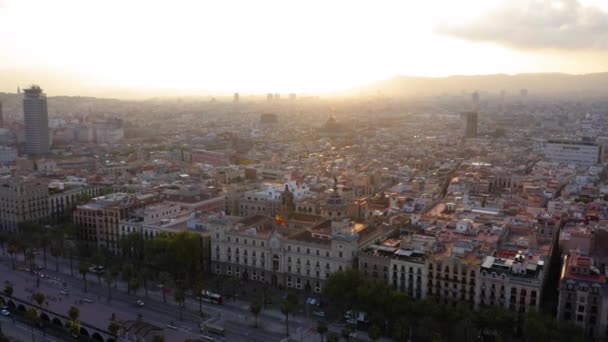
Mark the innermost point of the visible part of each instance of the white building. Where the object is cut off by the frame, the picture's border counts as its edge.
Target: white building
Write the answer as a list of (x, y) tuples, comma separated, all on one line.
[(8, 154), (266, 201), (572, 152), (257, 248)]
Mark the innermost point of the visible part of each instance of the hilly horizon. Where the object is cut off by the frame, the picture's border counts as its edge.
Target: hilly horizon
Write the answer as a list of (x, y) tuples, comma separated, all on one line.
[(57, 83), (593, 84)]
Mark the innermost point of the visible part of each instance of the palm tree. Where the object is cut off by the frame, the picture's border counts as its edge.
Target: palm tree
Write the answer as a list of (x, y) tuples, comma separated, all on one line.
[(374, 332), (165, 280), (44, 242), (158, 338), (287, 307), (3, 240), (39, 298), (12, 250), (114, 327), (31, 257), (8, 288), (109, 278), (98, 260), (197, 290), (73, 313), (32, 315), (83, 269), (127, 275), (322, 329), (255, 309), (180, 298), (134, 283)]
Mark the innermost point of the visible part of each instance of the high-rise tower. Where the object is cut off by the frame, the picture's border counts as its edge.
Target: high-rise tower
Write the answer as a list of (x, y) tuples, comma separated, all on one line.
[(36, 120), (470, 128)]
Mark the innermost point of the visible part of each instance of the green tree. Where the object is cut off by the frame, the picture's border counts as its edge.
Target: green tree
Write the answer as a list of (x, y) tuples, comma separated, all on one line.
[(165, 281), (8, 288), (374, 332), (346, 333), (340, 288), (83, 269), (32, 315), (322, 329), (134, 283), (114, 327), (73, 327), (73, 313), (44, 242), (180, 298), (4, 239), (39, 298), (158, 338), (109, 279), (128, 271), (287, 307), (98, 260), (30, 258), (13, 248), (333, 337), (255, 308), (197, 290)]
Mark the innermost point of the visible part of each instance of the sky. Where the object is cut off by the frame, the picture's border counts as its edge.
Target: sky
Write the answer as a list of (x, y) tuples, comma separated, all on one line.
[(291, 46)]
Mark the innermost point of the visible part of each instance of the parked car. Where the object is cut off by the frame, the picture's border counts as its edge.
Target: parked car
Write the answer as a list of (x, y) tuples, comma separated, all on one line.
[(5, 312), (139, 303)]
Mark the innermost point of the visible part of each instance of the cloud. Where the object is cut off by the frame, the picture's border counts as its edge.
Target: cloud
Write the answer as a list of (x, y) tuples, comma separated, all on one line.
[(537, 24)]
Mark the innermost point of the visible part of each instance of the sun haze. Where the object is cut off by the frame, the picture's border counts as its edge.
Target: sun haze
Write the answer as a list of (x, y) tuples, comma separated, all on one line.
[(293, 46)]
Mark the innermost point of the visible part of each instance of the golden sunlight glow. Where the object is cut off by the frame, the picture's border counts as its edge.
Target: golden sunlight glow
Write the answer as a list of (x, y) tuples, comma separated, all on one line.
[(257, 46)]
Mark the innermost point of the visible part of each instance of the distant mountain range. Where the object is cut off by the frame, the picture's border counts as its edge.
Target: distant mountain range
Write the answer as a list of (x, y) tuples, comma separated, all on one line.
[(57, 83), (587, 85)]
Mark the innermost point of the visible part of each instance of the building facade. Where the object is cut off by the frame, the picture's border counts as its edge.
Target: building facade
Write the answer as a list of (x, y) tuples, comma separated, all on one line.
[(572, 152), (22, 199), (583, 298), (36, 118)]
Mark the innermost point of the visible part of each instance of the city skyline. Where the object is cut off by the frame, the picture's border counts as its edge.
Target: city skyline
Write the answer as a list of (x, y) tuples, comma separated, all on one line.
[(199, 46)]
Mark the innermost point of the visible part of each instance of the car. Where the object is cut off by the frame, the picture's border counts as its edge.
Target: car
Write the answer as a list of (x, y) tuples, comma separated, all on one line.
[(139, 303), (38, 267), (319, 313), (87, 300), (5, 312), (64, 292), (313, 301)]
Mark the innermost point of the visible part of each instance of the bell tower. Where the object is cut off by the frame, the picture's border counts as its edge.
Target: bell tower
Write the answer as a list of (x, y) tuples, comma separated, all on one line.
[(288, 205)]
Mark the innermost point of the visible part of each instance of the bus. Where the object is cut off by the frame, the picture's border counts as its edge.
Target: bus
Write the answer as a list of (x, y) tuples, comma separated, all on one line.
[(211, 297), (212, 328)]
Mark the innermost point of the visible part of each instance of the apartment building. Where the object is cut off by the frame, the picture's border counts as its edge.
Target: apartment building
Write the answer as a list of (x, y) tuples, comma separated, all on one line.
[(258, 248), (583, 298), (22, 199), (98, 221)]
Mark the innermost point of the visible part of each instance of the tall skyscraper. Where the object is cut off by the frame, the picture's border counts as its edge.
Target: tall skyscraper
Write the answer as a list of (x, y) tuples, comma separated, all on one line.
[(475, 99), (36, 118), (269, 97), (236, 97), (1, 116), (470, 128)]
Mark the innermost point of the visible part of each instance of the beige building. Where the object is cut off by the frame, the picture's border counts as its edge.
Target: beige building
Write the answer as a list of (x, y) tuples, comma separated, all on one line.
[(22, 199), (258, 248), (98, 220)]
